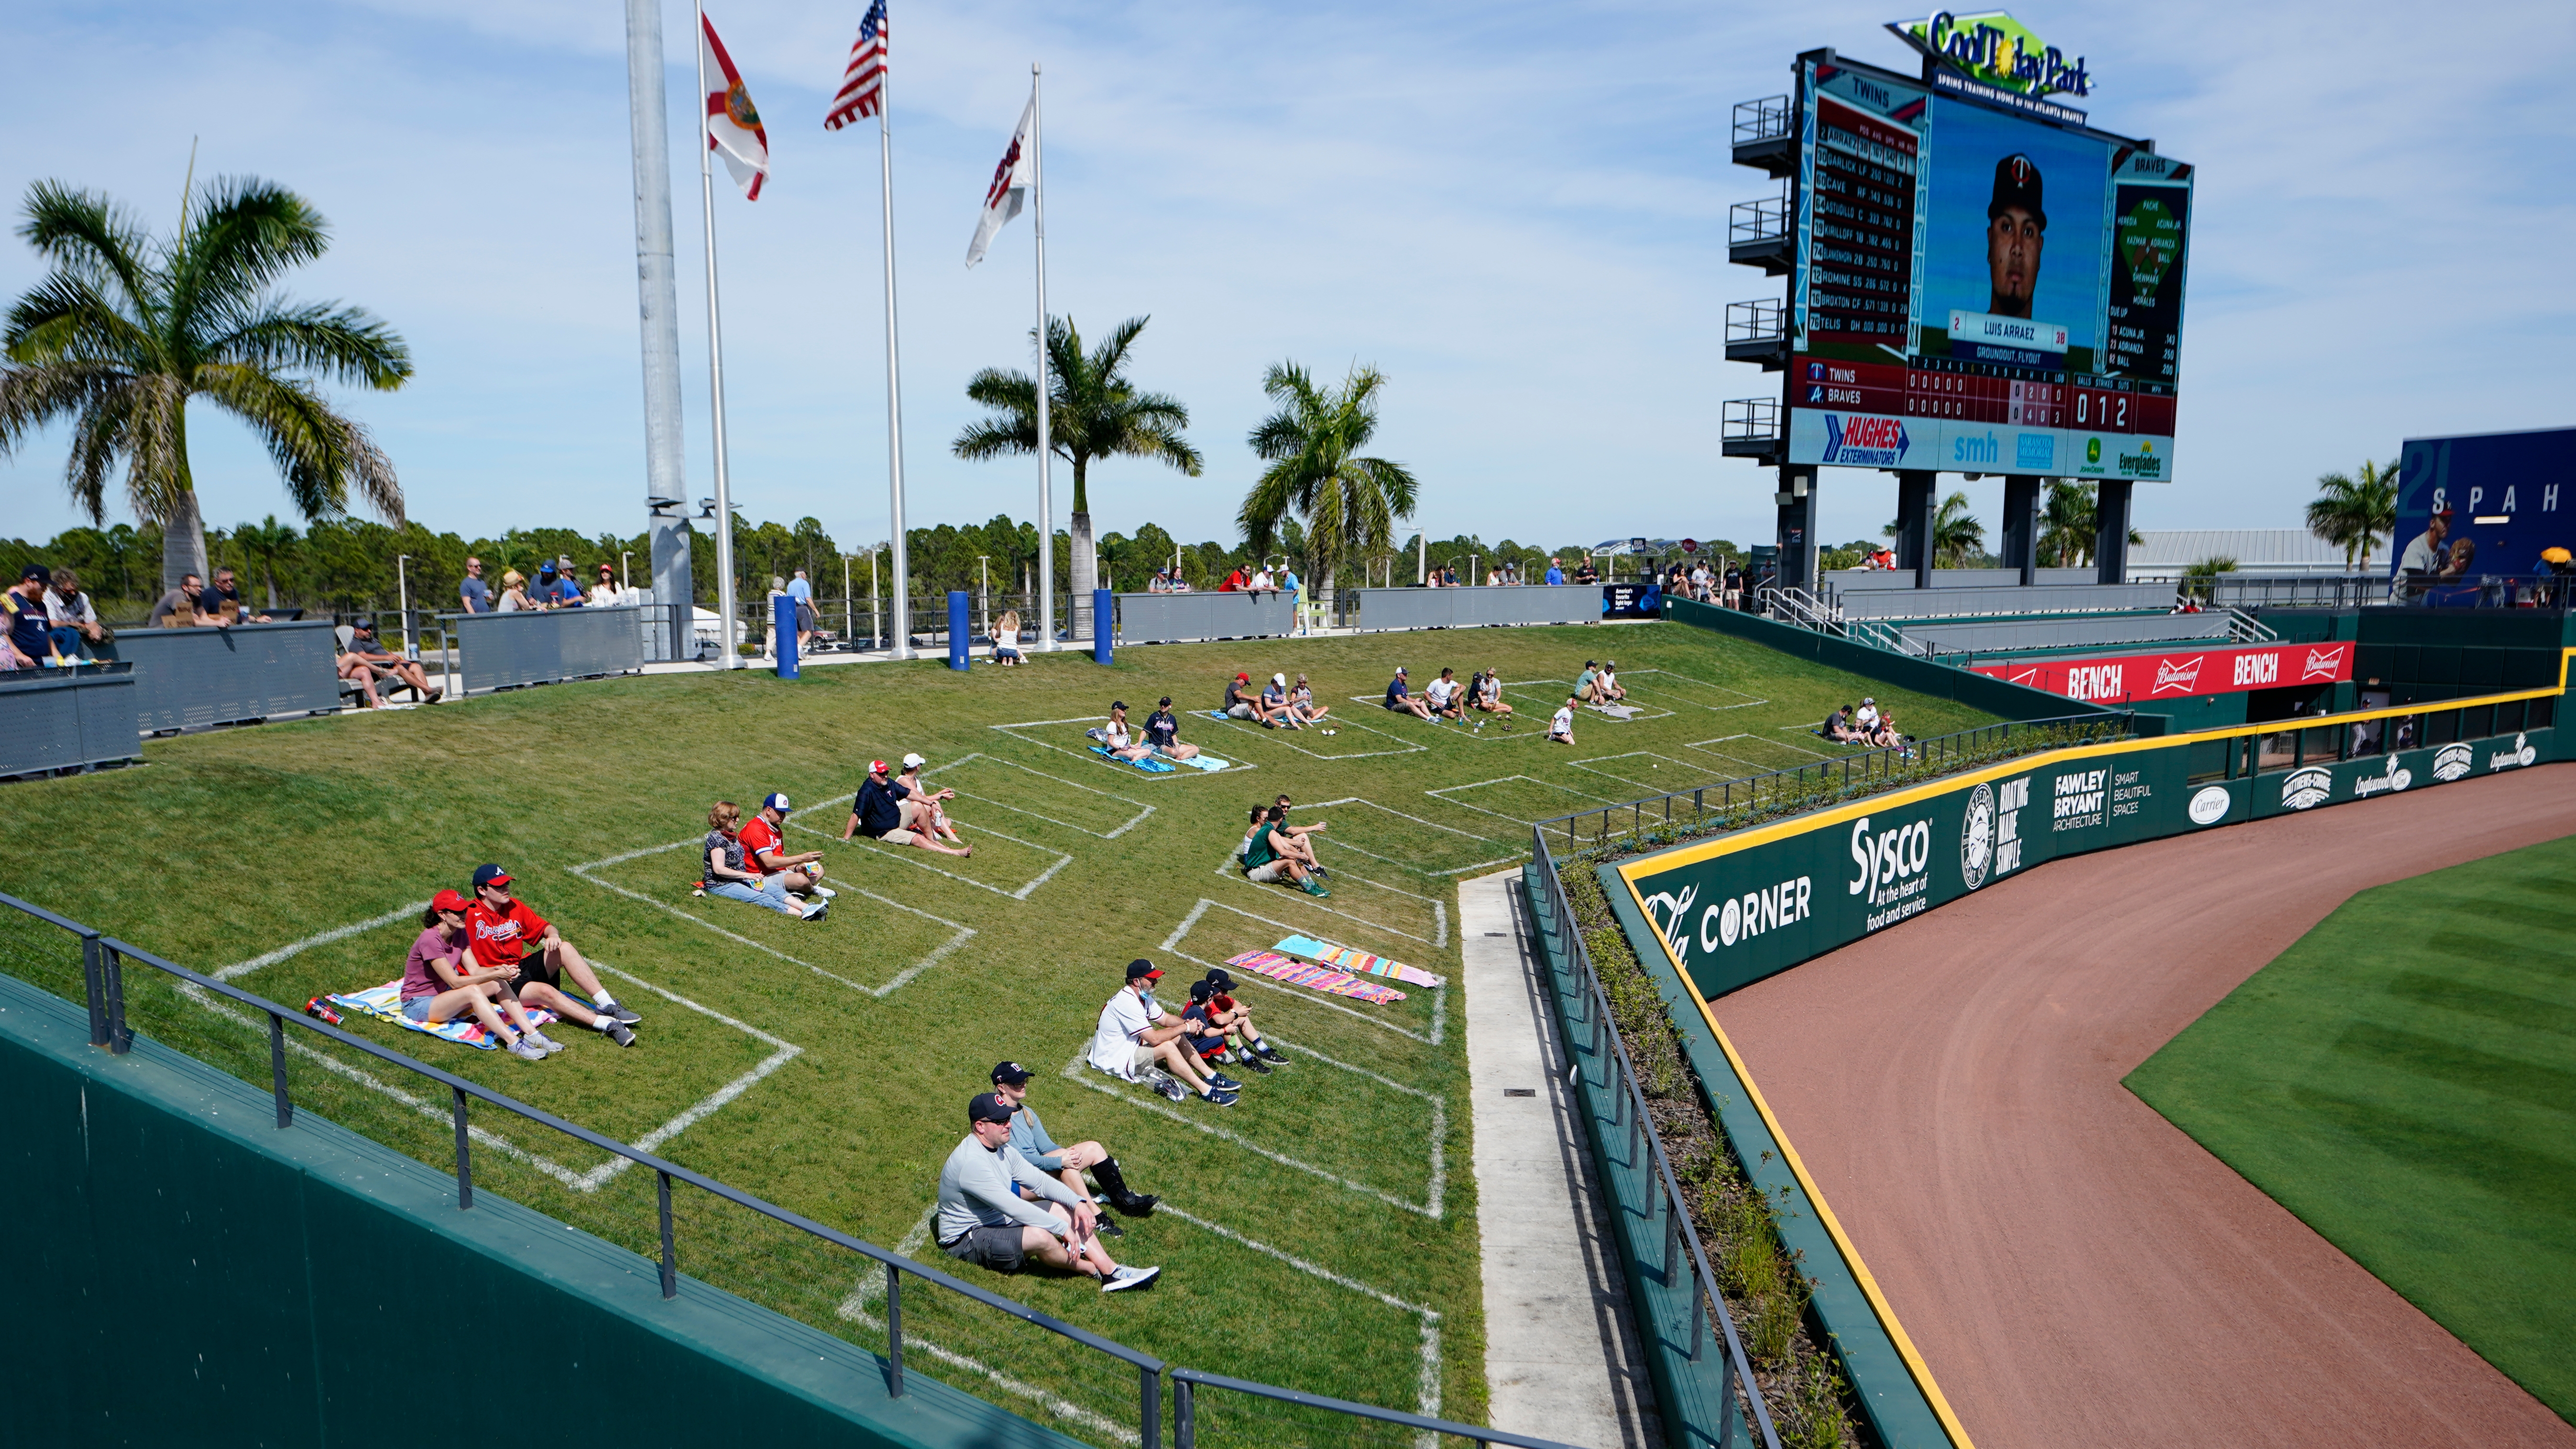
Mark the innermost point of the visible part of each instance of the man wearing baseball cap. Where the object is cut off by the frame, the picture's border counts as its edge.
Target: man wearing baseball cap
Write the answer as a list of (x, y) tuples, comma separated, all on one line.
[(1138, 1042), (22, 609), (1401, 699), (983, 1219), (1163, 731), (2016, 228), (766, 848), (1235, 706), (502, 931), (880, 812), (2427, 555), (1029, 1135)]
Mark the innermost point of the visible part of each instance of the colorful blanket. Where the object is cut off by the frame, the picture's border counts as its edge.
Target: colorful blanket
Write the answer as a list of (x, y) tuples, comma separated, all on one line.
[(1358, 963), (1149, 765), (385, 1003), (1318, 978)]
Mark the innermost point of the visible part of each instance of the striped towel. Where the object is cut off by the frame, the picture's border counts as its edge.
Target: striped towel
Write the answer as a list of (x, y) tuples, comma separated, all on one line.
[(1358, 963), (385, 1004), (1317, 978)]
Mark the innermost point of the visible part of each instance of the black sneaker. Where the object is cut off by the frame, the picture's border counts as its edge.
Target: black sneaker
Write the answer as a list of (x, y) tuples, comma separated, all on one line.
[(618, 1033), (1256, 1063), (1268, 1052), (1223, 1083), (1109, 1229), (1172, 1089), (619, 1011), (1218, 1098)]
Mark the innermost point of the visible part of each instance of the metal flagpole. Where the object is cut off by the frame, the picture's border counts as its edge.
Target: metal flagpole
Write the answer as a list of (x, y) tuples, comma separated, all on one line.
[(902, 648), (725, 601), (1046, 450)]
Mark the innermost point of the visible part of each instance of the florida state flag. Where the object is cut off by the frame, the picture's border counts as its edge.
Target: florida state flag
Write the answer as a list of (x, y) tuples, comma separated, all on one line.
[(733, 123)]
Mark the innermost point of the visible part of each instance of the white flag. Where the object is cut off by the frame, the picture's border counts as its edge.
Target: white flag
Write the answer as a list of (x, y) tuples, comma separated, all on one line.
[(732, 122), (1010, 187)]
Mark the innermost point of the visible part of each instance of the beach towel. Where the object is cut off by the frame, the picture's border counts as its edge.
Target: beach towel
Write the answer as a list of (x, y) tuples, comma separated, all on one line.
[(1214, 713), (1206, 762), (385, 1003), (1316, 978), (1358, 963), (1620, 712), (1149, 765)]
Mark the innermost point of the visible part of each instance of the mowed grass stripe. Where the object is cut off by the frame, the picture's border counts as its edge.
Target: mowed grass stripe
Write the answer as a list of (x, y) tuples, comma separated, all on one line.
[(2403, 1078)]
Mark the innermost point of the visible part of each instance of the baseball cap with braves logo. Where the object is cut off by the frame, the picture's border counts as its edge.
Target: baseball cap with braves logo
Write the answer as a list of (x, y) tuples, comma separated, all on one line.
[(490, 875)]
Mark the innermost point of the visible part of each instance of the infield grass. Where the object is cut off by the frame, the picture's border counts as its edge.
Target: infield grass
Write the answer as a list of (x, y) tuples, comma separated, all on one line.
[(1321, 1234), (2404, 1080)]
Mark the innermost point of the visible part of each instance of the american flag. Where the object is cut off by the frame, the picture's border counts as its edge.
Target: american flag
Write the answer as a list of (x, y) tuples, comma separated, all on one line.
[(863, 84)]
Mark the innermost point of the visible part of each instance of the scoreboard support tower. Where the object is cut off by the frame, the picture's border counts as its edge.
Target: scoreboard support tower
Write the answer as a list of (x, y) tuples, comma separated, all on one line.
[(2111, 530), (1796, 534), (2021, 525), (1917, 505)]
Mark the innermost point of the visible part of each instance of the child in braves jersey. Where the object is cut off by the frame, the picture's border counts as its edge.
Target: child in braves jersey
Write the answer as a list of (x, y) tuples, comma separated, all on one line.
[(501, 931), (1235, 1019), (767, 850)]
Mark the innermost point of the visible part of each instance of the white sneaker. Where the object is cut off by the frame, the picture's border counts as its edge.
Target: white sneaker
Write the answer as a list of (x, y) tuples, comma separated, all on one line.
[(526, 1050), (814, 909), (826, 892), (543, 1042), (1126, 1278)]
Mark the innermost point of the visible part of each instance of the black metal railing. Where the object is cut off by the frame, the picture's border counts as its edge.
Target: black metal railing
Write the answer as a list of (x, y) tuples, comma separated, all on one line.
[(1764, 319), (1763, 219), (103, 960), (1750, 420), (1727, 803), (1766, 119), (1663, 1193)]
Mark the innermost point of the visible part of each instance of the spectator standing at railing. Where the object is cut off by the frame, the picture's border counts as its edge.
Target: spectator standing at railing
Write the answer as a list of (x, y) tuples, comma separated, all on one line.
[(514, 593), (1295, 589), (801, 590), (1555, 572), (472, 592), (177, 608), (72, 619), (605, 593), (221, 606), (23, 609)]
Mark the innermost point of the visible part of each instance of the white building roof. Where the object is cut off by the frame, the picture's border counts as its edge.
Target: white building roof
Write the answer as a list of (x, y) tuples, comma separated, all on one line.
[(2167, 552)]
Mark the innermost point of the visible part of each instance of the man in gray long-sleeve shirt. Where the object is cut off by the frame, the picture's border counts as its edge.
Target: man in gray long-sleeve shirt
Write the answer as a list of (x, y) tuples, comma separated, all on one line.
[(984, 1220)]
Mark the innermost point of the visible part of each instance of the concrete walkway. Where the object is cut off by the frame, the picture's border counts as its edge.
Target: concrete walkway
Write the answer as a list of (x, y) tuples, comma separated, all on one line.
[(1562, 1353)]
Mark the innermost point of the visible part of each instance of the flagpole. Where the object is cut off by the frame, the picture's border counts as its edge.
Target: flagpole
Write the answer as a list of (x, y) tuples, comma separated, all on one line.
[(902, 648), (725, 601), (1046, 496)]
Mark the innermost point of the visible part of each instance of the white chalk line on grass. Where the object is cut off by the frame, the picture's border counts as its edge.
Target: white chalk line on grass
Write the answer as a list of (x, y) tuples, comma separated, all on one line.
[(1328, 838), (1587, 767), (1443, 792), (441, 1112), (1756, 766), (1156, 776), (938, 954), (1434, 1187), (1137, 819), (859, 1305), (336, 933), (1439, 909), (1172, 945), (1669, 678), (1335, 723), (911, 855)]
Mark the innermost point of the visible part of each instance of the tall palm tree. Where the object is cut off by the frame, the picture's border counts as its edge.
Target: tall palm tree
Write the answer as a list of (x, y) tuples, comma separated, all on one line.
[(2070, 523), (265, 546), (1093, 411), (126, 330), (2352, 513), (1348, 503)]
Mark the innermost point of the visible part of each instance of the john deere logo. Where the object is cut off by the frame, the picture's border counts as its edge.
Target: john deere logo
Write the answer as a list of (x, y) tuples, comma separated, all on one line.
[(2093, 450)]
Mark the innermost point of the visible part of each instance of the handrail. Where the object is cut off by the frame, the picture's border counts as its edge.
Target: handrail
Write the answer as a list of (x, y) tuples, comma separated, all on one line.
[(1185, 1426), (102, 971), (1875, 763), (1706, 1300)]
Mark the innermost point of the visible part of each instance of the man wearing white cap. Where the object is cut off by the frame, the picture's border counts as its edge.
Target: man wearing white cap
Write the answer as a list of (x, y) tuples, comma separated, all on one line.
[(764, 845), (920, 802), (1273, 710)]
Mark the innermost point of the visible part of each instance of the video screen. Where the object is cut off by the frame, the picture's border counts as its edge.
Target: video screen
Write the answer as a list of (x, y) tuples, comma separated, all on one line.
[(1980, 290)]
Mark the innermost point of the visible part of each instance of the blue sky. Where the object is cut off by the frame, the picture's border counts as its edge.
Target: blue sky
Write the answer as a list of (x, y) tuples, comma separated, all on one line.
[(1516, 211)]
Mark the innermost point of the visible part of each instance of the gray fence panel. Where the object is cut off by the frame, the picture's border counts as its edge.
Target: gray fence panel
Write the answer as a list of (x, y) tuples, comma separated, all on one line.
[(1849, 580), (52, 720), (1469, 608), (193, 678), (1981, 636), (1175, 618), (499, 651), (2038, 599)]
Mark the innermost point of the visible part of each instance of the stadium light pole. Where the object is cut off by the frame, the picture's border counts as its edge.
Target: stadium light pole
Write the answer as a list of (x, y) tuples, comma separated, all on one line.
[(402, 599)]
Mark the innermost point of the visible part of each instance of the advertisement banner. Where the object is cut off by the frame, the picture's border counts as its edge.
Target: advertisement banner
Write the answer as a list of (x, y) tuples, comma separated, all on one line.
[(1735, 909), (2179, 673)]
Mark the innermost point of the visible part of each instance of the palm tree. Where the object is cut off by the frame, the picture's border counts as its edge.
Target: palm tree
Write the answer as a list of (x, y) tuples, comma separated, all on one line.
[(126, 330), (2353, 512), (1347, 503), (2071, 522), (2196, 580), (1954, 534), (264, 546), (1093, 411)]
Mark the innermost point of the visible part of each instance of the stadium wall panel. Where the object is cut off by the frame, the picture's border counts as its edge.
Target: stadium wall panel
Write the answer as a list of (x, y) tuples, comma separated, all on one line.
[(189, 1273)]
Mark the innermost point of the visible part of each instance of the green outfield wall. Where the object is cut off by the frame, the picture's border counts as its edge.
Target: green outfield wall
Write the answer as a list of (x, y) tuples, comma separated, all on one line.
[(187, 1272)]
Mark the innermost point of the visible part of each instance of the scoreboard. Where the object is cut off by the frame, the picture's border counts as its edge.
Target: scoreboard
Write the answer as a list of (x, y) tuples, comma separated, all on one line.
[(1979, 288)]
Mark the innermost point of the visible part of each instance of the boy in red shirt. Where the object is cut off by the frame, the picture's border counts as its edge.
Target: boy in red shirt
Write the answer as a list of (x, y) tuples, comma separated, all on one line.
[(501, 931), (767, 850), (1235, 1019)]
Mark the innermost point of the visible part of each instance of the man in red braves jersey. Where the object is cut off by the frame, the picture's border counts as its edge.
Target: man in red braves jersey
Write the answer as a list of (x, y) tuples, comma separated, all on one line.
[(501, 931), (767, 850)]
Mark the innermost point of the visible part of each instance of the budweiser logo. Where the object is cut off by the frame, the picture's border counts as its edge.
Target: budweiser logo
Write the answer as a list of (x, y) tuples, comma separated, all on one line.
[(2322, 664), (2178, 676)]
